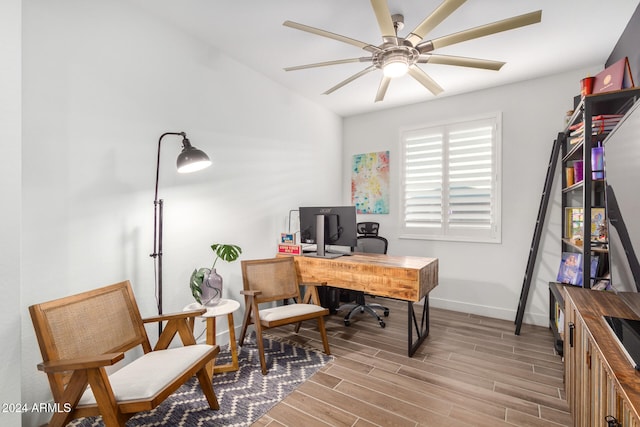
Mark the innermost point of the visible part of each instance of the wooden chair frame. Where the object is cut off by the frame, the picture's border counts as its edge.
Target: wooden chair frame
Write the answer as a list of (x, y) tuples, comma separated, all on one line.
[(277, 279), (80, 335)]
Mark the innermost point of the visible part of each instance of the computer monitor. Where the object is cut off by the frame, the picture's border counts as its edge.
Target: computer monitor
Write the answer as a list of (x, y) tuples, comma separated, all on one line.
[(339, 223)]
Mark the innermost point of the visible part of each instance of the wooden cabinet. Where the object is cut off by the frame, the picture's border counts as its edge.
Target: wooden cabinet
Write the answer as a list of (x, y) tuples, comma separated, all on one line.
[(599, 380)]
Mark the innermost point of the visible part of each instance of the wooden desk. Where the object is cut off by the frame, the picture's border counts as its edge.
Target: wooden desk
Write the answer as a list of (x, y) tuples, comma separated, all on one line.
[(401, 277)]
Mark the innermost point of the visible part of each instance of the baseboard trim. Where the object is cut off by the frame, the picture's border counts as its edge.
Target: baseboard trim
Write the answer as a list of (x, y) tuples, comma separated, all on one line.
[(538, 319)]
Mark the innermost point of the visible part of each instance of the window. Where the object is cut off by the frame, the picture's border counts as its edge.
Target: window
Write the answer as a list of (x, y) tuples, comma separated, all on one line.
[(450, 181)]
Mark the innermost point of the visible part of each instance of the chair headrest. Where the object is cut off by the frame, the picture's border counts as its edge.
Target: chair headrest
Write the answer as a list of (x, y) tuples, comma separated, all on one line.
[(368, 228)]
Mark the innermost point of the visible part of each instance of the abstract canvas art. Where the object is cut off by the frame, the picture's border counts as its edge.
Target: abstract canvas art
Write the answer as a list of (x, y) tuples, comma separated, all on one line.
[(370, 183)]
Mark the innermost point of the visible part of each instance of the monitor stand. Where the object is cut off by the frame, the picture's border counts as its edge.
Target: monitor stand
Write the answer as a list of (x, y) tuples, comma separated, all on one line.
[(326, 255), (320, 247)]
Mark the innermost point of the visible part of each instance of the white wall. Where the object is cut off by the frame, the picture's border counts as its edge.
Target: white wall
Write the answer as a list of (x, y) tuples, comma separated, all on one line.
[(481, 278), (102, 81), (10, 101)]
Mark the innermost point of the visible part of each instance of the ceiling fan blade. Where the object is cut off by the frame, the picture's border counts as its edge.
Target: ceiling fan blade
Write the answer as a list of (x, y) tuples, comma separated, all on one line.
[(461, 61), (425, 80), (437, 16), (382, 89), (323, 64), (350, 79), (485, 30), (338, 37), (381, 9)]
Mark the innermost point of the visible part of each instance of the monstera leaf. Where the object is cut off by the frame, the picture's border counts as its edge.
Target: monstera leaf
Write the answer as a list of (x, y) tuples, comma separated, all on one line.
[(197, 277), (225, 252)]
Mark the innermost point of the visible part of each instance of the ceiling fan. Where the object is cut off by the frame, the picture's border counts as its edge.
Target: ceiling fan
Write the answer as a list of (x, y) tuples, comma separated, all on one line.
[(398, 55)]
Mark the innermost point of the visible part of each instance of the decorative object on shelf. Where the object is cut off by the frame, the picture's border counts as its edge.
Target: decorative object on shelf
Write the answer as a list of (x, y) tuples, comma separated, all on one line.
[(616, 76), (598, 222), (578, 170), (189, 160), (287, 244), (568, 116), (570, 176), (205, 283), (597, 162), (586, 86)]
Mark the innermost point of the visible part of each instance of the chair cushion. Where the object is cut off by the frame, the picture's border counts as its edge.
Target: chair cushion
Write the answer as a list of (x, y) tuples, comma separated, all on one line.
[(146, 376), (285, 311)]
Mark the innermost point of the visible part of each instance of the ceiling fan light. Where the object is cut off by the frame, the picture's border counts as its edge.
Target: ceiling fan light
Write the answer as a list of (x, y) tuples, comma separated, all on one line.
[(395, 66)]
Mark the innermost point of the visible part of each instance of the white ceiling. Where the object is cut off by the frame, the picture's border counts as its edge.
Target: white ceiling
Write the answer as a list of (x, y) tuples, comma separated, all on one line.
[(573, 34)]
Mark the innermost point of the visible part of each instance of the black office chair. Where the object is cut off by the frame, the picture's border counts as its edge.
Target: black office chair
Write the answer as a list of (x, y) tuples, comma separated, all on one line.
[(368, 242)]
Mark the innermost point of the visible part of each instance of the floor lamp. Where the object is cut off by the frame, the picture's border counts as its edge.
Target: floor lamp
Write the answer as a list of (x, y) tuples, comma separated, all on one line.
[(189, 160)]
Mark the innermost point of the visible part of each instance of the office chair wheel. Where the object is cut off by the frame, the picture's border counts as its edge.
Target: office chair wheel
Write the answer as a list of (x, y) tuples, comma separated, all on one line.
[(386, 313), (382, 324), (346, 322)]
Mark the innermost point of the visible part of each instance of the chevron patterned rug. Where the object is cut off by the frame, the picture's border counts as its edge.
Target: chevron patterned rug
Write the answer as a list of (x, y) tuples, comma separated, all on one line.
[(244, 395)]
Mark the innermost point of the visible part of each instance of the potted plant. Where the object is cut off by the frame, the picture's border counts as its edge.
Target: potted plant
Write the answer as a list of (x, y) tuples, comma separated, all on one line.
[(205, 283)]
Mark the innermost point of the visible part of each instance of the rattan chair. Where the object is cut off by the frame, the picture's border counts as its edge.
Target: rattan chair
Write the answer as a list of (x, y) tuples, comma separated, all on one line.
[(267, 281), (81, 335)]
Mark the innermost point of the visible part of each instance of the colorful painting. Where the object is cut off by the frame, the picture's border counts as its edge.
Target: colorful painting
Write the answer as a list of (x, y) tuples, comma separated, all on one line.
[(370, 183)]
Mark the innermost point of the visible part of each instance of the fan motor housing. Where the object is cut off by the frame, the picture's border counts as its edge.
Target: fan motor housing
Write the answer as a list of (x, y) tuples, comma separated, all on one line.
[(390, 53)]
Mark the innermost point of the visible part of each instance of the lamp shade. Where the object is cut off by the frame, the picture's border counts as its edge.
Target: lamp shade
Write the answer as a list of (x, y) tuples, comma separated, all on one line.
[(191, 159), (395, 66)]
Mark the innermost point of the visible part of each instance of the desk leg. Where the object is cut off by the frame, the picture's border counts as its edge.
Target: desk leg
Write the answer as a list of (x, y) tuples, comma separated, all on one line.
[(422, 330)]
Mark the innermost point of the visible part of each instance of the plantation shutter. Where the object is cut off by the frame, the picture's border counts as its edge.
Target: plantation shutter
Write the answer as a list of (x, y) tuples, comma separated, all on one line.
[(423, 181), (470, 170), (450, 185)]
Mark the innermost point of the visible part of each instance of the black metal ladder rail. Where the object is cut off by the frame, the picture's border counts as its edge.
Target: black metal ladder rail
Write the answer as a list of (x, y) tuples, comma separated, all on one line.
[(537, 232)]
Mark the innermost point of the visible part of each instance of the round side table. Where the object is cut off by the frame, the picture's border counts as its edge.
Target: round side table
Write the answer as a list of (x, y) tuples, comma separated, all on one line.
[(225, 306)]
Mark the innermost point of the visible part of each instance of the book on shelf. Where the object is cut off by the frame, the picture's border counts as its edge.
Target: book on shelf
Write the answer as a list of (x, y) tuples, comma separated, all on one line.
[(616, 76), (574, 222), (570, 266), (570, 271), (602, 284), (574, 218), (559, 319), (605, 123), (599, 124)]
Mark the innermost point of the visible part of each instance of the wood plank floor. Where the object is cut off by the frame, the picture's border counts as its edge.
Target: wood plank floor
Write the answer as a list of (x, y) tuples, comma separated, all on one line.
[(470, 371)]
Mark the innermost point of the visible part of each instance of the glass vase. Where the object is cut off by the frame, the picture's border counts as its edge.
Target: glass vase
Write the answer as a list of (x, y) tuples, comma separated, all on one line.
[(211, 289)]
